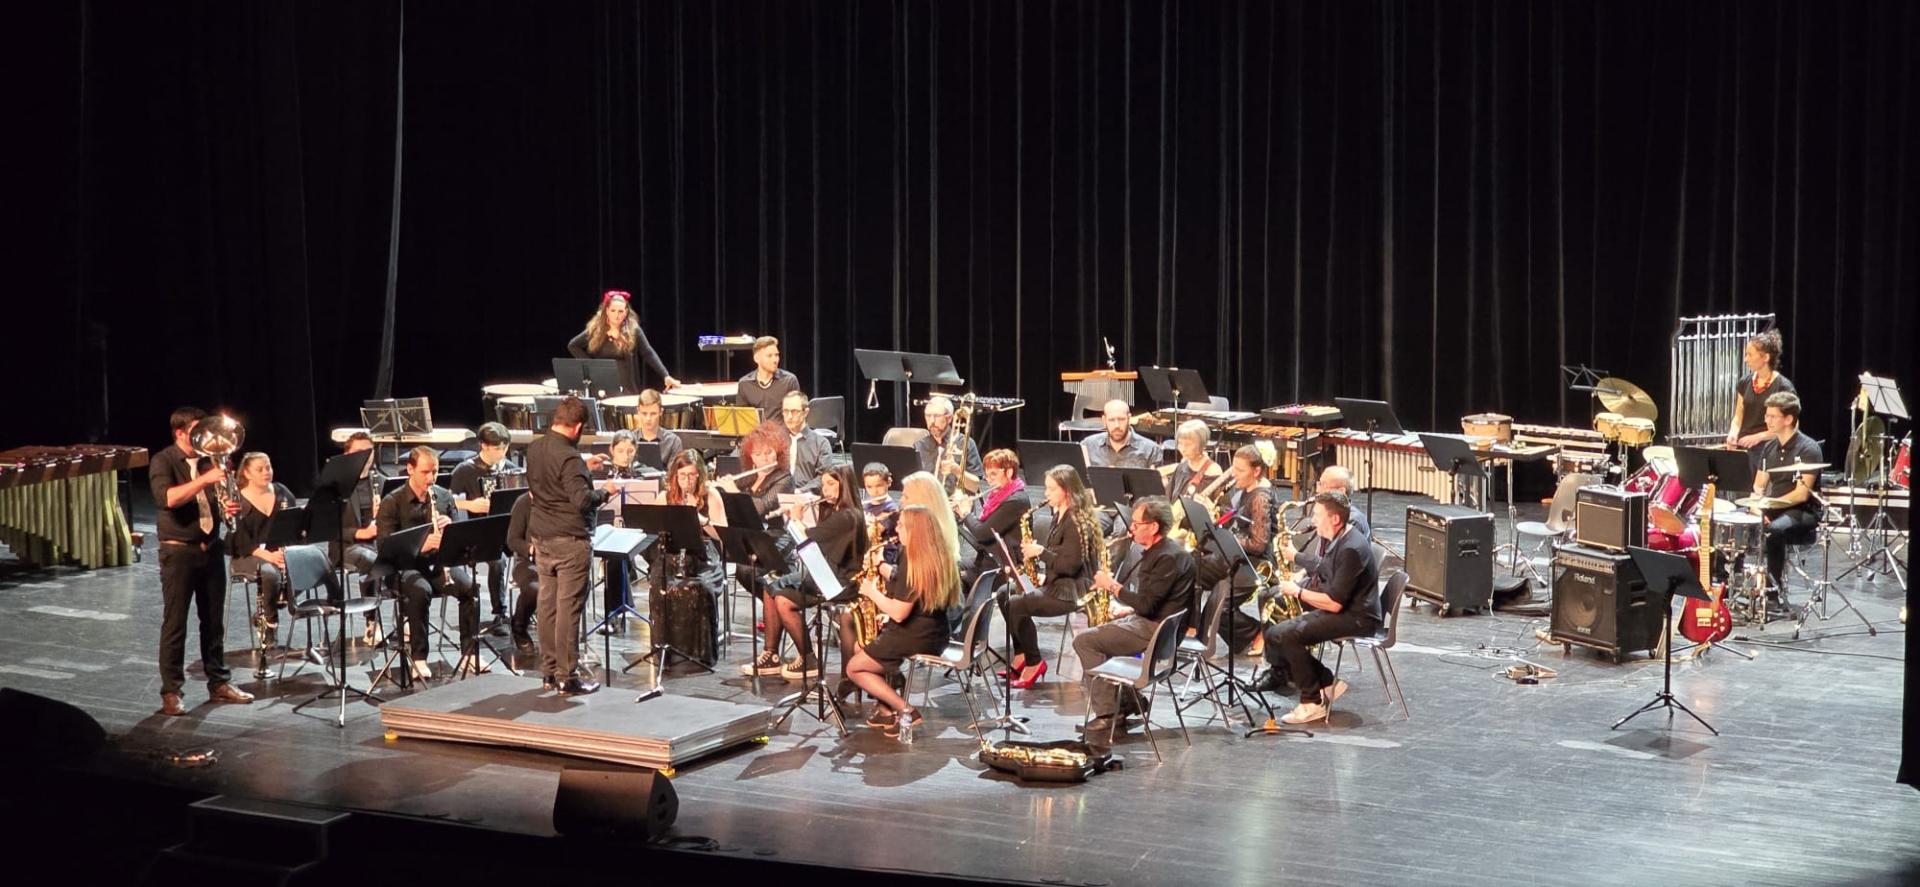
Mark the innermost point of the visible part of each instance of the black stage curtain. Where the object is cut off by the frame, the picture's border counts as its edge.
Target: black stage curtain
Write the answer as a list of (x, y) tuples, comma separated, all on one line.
[(1434, 203)]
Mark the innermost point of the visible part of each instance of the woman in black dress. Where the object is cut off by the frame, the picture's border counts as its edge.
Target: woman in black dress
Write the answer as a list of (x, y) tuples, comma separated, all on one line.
[(915, 602), (840, 531), (613, 333), (1763, 380), (259, 499), (1069, 554)]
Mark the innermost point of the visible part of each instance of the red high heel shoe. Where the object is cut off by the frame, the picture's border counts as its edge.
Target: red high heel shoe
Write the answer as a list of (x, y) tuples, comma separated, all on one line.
[(1023, 682), (1016, 671)]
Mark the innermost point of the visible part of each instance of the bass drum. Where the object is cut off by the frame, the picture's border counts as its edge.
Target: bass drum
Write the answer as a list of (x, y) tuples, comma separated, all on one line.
[(1901, 476)]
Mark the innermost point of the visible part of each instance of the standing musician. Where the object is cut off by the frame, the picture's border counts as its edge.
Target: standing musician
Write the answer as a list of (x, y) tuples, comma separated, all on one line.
[(914, 598), (1120, 446), (524, 576), (807, 448), (473, 483), (613, 333), (647, 417), (1785, 444), (192, 568), (765, 448), (840, 530), (416, 503), (1763, 380), (1070, 556), (1196, 468), (768, 384), (932, 448), (1340, 599), (260, 499), (1252, 508), (996, 514), (560, 525), (1155, 582)]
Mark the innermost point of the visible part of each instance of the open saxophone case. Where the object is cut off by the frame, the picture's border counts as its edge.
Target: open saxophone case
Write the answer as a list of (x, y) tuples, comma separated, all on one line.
[(1064, 760)]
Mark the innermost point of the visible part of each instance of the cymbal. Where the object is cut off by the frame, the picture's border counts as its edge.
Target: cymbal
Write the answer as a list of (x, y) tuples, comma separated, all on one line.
[(1800, 468), (1621, 396), (1761, 502)]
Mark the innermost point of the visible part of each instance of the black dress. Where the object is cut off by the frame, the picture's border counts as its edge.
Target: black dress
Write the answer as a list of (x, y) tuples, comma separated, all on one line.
[(631, 369), (923, 631), (841, 537)]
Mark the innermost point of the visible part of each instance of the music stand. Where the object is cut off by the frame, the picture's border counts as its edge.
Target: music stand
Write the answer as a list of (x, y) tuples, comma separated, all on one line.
[(733, 421), (1125, 485), (814, 564), (1175, 386), (903, 366), (398, 553), (902, 461), (1205, 534), (648, 453), (500, 502), (1883, 397), (707, 442), (1037, 456), (1730, 470), (587, 376), (1018, 583), (677, 529), (470, 542), (1378, 418), (744, 540), (616, 546), (1453, 455), (1666, 574)]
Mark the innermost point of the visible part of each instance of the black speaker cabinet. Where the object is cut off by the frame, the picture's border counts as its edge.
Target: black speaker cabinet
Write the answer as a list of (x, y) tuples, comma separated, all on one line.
[(1601, 602), (616, 801), (1611, 518), (1450, 556), (45, 730)]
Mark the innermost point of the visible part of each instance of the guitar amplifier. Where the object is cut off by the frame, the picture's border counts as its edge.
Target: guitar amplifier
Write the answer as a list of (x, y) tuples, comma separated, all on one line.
[(1600, 601), (1609, 517), (1450, 556)]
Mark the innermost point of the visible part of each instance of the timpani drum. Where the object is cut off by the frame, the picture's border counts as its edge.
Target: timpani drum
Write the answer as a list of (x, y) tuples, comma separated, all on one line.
[(490, 396), (515, 412), (620, 412), (678, 410), (706, 394)]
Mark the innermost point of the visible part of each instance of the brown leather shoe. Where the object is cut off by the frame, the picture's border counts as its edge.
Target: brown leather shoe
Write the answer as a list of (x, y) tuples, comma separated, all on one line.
[(230, 693), (171, 706)]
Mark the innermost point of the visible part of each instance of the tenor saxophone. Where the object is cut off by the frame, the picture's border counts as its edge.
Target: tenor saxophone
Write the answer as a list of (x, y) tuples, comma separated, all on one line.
[(1280, 607)]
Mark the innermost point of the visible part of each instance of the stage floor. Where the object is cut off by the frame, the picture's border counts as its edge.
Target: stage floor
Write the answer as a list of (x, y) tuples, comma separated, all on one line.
[(1489, 782)]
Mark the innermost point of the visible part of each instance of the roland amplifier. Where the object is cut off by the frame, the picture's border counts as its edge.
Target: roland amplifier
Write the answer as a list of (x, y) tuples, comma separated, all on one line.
[(1450, 556), (1600, 601), (1608, 517)]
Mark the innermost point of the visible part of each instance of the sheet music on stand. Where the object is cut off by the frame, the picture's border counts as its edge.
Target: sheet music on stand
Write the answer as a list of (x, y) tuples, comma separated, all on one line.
[(396, 416), (637, 491), (1883, 396)]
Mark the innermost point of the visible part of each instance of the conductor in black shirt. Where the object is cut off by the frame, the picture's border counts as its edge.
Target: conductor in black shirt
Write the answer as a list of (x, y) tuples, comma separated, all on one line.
[(193, 568), (1152, 585), (560, 524), (1341, 599), (416, 503)]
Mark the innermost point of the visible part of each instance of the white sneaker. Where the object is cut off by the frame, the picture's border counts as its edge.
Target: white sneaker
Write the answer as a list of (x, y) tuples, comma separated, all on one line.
[(1305, 713), (421, 670), (1333, 691)]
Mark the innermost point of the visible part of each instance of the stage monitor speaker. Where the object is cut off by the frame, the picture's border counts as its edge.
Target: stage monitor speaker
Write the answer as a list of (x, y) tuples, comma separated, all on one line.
[(1600, 601), (1608, 517), (614, 801), (40, 730), (1450, 556)]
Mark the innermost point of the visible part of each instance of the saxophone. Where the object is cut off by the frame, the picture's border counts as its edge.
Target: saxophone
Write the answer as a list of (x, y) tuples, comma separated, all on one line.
[(1280, 607), (866, 616), (1099, 601), (1029, 567)]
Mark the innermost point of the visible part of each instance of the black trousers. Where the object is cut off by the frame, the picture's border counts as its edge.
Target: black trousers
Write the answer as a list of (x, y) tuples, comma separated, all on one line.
[(1288, 643), (496, 571), (525, 604), (562, 570), (1237, 626), (1793, 526), (417, 588), (1021, 612), (191, 576)]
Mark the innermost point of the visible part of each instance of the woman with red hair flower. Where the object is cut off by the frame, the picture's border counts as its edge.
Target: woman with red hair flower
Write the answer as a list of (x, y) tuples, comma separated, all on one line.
[(613, 333)]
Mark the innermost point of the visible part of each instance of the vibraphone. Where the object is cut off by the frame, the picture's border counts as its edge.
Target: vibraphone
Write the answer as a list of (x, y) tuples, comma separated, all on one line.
[(1400, 463), (60, 504)]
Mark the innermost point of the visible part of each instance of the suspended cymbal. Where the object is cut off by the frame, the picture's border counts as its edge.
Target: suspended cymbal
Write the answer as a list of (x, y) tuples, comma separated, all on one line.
[(1800, 468), (1761, 502), (1624, 397)]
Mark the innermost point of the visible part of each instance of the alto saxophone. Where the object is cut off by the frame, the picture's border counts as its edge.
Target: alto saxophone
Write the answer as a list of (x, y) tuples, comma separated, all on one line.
[(865, 621), (1099, 601), (1029, 566), (1280, 607)]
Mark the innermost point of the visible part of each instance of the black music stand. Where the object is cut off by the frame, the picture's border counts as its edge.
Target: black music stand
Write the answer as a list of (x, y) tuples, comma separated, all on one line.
[(287, 526), (398, 553), (1036, 456), (332, 493), (1667, 574), (1730, 470), (1883, 398), (1378, 418), (1121, 487), (907, 367), (902, 461), (647, 453), (1452, 454), (588, 376), (615, 547), (500, 502), (744, 540), (1205, 534), (677, 531), (468, 543), (820, 573), (1017, 583), (1176, 387)]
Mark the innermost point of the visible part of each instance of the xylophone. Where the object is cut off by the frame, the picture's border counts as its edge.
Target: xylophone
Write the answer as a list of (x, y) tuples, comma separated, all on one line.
[(59, 504), (1400, 463)]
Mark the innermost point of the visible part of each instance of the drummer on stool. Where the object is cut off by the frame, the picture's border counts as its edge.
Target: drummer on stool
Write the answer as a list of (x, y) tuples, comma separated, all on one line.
[(1793, 515)]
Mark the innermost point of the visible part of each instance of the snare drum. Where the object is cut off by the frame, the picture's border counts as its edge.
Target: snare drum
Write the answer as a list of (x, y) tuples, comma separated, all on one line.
[(1567, 462), (1635, 432), (1493, 425), (1736, 532), (1608, 424), (515, 412)]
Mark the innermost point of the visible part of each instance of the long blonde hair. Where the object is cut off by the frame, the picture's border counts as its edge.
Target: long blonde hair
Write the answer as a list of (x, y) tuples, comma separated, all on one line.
[(597, 324), (920, 488), (933, 576)]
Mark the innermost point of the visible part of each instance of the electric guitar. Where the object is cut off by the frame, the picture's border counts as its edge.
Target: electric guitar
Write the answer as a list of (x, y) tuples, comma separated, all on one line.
[(1704, 622)]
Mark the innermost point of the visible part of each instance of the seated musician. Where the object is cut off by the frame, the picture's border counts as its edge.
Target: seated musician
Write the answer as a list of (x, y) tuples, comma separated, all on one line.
[(932, 448), (807, 448), (1762, 381), (613, 333), (880, 502), (840, 529), (1154, 582), (996, 515), (767, 385), (920, 488), (1341, 598), (686, 484), (765, 448), (1069, 555), (620, 464), (260, 498), (1196, 469), (473, 482), (525, 578), (1120, 446), (416, 503), (359, 531), (914, 600), (646, 418), (1797, 514), (1255, 508), (1333, 479)]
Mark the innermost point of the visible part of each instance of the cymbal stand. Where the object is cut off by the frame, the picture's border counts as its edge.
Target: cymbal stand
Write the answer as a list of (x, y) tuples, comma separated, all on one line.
[(1824, 585), (1518, 563)]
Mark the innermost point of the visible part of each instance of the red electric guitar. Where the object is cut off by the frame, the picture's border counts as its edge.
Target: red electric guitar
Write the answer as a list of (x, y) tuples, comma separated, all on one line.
[(1704, 622)]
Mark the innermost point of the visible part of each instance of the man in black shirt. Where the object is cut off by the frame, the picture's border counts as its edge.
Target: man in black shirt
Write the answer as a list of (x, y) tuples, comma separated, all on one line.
[(1341, 599), (1149, 588), (1335, 479), (558, 523), (768, 384), (473, 483), (647, 418), (193, 571), (807, 448), (1797, 515), (416, 503)]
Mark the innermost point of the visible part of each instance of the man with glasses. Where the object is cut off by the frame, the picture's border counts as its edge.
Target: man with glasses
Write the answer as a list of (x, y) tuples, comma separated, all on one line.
[(1154, 582), (807, 448)]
